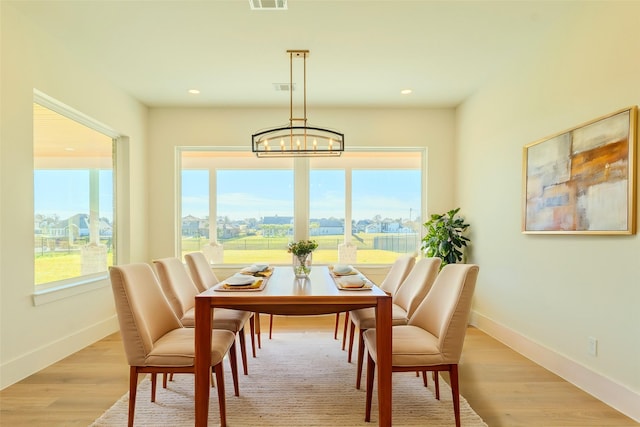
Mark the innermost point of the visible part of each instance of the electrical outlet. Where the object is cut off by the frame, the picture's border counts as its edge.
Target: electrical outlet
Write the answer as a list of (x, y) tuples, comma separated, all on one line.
[(593, 347)]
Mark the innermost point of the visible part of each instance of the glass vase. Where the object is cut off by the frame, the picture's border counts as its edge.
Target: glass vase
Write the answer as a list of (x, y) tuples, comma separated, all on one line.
[(302, 265)]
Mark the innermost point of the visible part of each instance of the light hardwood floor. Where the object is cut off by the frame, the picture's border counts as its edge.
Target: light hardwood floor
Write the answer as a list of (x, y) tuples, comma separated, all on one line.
[(503, 387)]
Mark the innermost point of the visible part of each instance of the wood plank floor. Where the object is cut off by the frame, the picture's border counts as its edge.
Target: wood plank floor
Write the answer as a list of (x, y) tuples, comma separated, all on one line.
[(503, 387)]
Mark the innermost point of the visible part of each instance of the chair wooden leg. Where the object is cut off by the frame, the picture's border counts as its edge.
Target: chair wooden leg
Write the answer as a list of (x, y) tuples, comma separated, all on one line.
[(424, 378), (371, 369), (233, 360), (258, 329), (360, 357), (335, 328), (133, 388), (436, 384), (352, 330), (344, 330), (164, 379), (455, 392), (243, 351), (270, 325), (252, 330), (154, 380), (221, 398)]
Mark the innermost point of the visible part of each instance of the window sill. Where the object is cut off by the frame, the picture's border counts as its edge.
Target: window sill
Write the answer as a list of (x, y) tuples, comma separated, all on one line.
[(68, 288)]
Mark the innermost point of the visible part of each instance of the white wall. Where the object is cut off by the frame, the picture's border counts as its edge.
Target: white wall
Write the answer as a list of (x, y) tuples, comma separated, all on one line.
[(170, 128), (32, 337), (545, 294)]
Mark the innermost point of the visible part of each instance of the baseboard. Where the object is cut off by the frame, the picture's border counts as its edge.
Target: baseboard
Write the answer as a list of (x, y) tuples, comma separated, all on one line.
[(29, 363), (608, 391)]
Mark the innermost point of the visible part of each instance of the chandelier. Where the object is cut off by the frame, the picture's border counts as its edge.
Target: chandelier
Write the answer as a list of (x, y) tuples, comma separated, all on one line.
[(298, 138)]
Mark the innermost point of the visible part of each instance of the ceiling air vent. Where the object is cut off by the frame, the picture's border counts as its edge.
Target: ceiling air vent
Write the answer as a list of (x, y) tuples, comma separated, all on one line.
[(283, 87), (268, 4)]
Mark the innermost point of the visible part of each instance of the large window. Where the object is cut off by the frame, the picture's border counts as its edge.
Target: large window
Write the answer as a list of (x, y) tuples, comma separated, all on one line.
[(370, 200), (73, 197)]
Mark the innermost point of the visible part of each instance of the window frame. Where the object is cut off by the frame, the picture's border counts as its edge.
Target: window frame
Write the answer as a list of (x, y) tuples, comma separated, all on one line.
[(301, 170), (56, 290)]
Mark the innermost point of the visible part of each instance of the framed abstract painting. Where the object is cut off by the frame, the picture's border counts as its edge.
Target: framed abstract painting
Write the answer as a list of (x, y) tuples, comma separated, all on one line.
[(583, 180)]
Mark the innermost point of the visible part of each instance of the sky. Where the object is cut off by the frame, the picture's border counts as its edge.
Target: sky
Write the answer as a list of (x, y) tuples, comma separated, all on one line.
[(248, 193), (255, 194), (65, 192)]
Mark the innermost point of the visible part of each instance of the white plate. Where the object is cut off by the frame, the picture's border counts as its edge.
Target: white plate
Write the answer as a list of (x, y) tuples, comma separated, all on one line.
[(240, 280), (352, 282), (255, 268), (342, 269)]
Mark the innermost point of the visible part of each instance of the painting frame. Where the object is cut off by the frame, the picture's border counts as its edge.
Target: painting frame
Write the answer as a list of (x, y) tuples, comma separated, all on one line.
[(583, 180)]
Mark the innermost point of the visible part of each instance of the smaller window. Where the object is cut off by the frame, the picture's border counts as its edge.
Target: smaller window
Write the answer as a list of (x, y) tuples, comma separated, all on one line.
[(73, 198)]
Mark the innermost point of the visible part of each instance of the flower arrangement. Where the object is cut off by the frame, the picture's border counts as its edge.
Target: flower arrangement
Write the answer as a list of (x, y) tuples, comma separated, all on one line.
[(302, 247), (301, 251)]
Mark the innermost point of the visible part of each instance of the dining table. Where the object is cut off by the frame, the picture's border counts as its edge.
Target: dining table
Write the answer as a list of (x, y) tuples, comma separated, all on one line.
[(282, 293)]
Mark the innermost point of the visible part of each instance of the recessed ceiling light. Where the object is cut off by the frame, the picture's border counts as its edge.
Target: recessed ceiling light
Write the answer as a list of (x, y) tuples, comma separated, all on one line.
[(194, 91), (406, 91), (69, 149)]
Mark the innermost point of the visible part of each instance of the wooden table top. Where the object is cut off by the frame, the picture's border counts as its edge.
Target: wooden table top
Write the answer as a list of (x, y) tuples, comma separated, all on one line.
[(285, 294)]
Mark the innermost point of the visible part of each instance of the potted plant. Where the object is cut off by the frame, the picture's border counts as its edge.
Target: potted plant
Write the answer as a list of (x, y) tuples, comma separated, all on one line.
[(444, 237), (301, 251)]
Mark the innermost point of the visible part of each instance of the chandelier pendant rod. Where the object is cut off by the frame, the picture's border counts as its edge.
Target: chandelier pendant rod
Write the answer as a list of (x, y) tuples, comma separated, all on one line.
[(326, 142), (291, 99)]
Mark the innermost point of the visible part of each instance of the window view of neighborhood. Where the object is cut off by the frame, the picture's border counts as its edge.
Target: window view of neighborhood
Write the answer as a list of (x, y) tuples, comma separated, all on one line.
[(73, 198), (255, 212), (377, 239), (71, 244)]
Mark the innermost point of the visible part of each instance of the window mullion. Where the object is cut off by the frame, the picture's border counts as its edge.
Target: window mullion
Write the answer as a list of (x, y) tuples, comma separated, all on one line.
[(213, 206), (347, 205), (301, 198)]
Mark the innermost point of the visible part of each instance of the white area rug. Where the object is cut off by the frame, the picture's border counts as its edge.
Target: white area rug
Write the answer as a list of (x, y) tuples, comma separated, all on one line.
[(297, 379)]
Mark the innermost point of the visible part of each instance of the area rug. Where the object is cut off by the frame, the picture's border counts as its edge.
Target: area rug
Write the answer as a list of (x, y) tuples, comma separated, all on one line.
[(297, 379)]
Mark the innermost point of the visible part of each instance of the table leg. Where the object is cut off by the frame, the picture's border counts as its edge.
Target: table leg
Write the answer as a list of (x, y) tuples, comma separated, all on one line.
[(202, 360), (384, 342)]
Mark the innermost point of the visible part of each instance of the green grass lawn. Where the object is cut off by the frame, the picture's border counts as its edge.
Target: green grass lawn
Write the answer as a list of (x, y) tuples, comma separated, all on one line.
[(250, 249), (52, 267), (59, 266)]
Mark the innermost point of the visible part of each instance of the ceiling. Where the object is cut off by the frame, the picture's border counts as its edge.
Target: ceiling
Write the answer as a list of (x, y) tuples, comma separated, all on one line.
[(362, 53)]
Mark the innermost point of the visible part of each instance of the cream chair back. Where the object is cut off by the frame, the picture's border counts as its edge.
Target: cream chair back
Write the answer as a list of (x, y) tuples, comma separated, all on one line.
[(445, 310), (417, 284), (397, 273), (144, 314), (176, 284), (201, 272)]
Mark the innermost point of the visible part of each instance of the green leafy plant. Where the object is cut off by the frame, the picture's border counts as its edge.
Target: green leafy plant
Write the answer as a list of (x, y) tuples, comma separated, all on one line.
[(302, 247), (444, 238)]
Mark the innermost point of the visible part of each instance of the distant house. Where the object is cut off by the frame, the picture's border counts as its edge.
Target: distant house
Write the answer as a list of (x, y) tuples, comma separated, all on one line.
[(277, 220), (76, 226), (193, 226), (228, 231), (390, 226), (374, 227), (327, 227), (277, 226), (361, 225)]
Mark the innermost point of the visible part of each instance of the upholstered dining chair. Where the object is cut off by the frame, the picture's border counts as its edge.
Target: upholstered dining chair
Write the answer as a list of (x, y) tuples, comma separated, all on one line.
[(392, 281), (408, 296), (434, 337), (181, 292), (204, 278), (399, 270), (154, 339)]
